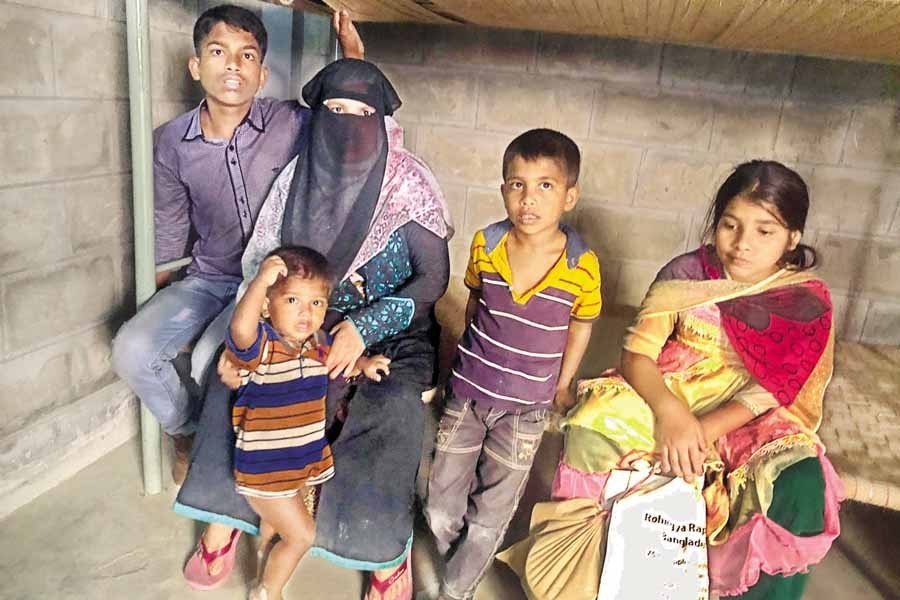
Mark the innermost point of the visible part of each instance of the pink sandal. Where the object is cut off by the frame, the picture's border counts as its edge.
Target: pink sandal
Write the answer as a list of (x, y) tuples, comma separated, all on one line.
[(383, 585), (196, 571)]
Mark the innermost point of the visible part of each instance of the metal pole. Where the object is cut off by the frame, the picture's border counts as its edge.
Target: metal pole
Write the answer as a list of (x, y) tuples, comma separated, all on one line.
[(138, 26), (335, 44)]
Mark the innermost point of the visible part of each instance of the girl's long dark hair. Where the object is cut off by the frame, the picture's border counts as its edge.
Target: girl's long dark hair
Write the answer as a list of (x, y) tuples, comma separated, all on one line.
[(770, 184)]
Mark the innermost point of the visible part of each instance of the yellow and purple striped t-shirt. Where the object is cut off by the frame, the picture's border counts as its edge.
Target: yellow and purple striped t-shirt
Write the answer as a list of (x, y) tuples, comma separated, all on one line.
[(510, 354)]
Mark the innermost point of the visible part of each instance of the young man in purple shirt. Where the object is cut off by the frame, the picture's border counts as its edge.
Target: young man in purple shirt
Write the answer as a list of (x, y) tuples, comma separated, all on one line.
[(212, 170)]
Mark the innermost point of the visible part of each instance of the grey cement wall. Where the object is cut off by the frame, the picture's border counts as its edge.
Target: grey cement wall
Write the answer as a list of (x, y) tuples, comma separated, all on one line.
[(66, 253), (659, 127), (65, 226)]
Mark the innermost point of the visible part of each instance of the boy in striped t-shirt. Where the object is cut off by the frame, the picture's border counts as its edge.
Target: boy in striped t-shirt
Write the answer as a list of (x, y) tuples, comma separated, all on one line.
[(534, 292)]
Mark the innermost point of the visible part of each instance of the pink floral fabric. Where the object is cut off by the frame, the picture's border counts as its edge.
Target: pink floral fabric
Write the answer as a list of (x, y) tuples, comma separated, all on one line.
[(763, 546)]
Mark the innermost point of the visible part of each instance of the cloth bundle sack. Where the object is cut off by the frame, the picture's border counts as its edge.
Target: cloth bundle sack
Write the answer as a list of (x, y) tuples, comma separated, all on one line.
[(655, 539), (562, 555)]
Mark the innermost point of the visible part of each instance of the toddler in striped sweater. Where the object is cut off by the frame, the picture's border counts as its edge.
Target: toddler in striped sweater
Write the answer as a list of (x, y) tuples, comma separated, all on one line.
[(279, 414)]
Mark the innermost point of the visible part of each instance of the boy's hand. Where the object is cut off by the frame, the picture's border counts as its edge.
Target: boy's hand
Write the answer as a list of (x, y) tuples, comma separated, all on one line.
[(348, 36), (271, 270), (564, 400), (346, 349), (228, 372), (375, 367), (162, 278), (681, 441)]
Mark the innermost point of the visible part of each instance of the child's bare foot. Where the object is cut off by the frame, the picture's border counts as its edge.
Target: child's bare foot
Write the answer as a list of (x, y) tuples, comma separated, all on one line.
[(264, 546), (261, 592)]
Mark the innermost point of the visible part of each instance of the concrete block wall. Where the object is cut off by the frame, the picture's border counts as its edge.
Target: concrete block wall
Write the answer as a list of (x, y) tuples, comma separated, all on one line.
[(660, 126), (66, 261)]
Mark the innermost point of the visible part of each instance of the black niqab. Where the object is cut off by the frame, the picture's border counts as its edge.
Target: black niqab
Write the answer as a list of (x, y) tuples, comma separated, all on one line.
[(338, 175)]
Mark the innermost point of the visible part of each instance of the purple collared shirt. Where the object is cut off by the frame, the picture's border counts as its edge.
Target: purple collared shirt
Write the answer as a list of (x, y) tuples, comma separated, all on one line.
[(217, 187)]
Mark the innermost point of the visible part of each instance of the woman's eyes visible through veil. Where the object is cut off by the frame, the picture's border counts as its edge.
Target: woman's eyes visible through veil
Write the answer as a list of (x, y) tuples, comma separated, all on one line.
[(346, 106)]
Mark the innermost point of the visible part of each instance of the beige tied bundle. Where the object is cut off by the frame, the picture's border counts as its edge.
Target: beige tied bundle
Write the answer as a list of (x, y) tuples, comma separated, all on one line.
[(562, 557), (563, 554)]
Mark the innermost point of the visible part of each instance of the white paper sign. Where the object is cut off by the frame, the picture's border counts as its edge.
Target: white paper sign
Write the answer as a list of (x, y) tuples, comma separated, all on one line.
[(656, 540)]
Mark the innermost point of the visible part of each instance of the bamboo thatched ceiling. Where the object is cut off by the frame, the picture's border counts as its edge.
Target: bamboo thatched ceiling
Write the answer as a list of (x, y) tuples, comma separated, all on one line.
[(855, 29)]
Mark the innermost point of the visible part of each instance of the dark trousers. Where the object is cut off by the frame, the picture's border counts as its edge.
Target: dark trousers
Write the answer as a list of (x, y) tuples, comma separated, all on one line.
[(481, 464), (365, 514)]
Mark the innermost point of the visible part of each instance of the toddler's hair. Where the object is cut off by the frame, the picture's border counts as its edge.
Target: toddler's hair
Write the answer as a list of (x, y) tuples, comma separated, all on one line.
[(768, 183), (545, 143), (304, 262), (233, 16)]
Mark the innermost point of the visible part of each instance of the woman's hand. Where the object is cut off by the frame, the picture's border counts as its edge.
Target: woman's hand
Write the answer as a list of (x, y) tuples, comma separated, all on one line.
[(681, 440), (346, 349), (228, 372)]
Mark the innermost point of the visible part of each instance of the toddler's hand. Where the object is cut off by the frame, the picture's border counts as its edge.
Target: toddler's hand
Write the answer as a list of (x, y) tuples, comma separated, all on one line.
[(228, 372), (374, 367), (271, 270)]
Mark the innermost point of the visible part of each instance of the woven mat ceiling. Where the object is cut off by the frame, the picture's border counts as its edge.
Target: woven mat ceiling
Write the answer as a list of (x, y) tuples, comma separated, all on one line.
[(860, 29)]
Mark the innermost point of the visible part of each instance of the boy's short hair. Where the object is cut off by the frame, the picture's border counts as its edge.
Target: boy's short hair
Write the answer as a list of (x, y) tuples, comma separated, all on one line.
[(233, 16), (304, 262), (545, 143)]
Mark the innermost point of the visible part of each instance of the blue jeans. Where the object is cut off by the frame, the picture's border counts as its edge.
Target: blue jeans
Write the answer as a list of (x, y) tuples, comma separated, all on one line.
[(481, 463), (146, 345)]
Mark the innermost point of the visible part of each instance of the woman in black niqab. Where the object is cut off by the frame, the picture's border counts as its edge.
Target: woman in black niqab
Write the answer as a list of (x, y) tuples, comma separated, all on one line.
[(339, 172), (377, 213)]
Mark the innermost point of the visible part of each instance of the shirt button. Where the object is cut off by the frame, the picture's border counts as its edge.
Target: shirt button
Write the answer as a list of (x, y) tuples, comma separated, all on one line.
[(242, 200), (231, 147), (245, 213), (234, 162)]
